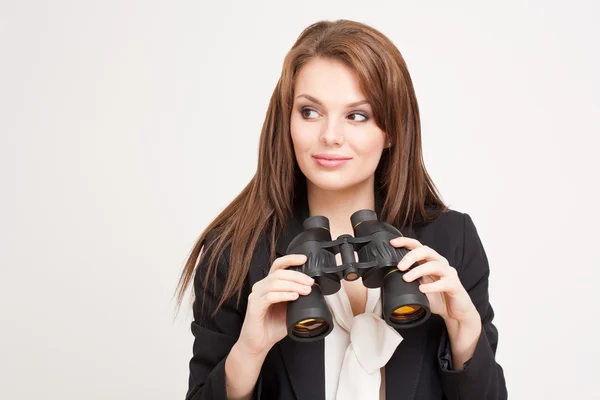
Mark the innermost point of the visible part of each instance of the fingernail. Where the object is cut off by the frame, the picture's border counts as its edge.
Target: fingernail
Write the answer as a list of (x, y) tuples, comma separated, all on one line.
[(407, 277), (309, 280)]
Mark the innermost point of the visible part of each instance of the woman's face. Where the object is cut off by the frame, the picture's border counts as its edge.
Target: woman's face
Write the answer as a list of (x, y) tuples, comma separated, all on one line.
[(325, 123)]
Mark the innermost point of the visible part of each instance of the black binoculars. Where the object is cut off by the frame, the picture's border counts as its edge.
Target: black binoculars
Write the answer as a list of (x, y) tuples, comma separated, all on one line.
[(309, 318)]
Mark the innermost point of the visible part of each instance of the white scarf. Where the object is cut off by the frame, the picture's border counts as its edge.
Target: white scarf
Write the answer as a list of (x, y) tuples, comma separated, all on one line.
[(364, 342)]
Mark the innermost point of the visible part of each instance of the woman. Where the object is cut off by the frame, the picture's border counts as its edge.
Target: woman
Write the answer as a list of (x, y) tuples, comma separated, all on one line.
[(345, 93)]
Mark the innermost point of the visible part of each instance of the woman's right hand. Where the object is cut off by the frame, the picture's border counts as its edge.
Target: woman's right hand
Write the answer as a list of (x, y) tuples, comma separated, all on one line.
[(265, 321)]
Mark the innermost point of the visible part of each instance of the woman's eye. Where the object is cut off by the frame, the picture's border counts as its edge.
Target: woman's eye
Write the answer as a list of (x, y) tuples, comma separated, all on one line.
[(306, 115), (304, 111), (360, 115)]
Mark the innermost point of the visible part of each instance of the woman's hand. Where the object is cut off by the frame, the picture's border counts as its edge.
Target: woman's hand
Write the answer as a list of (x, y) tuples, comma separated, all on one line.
[(446, 294), (265, 321), (438, 280)]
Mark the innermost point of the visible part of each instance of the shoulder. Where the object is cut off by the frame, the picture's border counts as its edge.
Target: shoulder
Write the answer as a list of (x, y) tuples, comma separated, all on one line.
[(446, 233), (444, 224), (440, 219), (259, 257)]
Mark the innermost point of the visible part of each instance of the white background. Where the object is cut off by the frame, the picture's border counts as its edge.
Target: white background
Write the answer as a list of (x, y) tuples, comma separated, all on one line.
[(116, 115)]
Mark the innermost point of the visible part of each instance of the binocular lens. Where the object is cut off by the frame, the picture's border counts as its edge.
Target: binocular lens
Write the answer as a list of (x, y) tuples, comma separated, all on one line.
[(310, 327), (409, 313), (308, 318)]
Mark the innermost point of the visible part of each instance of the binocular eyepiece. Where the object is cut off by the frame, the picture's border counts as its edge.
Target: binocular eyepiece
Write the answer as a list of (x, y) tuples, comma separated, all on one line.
[(309, 318)]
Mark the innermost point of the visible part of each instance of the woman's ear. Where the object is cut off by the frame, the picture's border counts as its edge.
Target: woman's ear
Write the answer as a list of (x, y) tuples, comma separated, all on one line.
[(388, 140)]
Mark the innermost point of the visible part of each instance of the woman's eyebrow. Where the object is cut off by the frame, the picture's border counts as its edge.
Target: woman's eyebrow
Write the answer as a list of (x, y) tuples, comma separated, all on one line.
[(358, 103)]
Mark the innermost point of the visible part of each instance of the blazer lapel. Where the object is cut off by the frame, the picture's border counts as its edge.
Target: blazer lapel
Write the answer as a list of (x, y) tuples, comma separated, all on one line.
[(402, 376), (305, 365)]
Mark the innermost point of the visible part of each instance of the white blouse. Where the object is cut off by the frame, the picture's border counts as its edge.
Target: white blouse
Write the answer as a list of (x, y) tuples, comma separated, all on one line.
[(357, 349)]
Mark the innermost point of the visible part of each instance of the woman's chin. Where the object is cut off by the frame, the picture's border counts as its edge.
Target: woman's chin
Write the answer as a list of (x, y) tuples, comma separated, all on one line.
[(333, 183)]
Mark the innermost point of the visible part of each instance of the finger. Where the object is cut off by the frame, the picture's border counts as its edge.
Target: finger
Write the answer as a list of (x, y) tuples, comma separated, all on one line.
[(294, 276), (424, 253), (429, 268), (427, 279), (443, 285), (278, 297), (261, 287), (279, 285), (287, 261), (406, 242)]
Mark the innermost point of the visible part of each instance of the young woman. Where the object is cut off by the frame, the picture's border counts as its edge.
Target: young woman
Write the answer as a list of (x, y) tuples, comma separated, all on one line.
[(341, 134)]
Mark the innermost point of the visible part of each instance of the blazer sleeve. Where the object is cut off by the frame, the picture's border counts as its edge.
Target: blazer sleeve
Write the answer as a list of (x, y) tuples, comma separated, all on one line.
[(214, 336), (482, 377)]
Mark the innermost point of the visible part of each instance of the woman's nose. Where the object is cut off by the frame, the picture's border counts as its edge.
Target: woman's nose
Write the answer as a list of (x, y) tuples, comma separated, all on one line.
[(332, 133)]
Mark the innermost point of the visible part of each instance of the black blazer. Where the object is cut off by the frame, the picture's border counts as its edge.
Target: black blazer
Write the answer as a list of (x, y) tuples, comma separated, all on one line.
[(420, 368)]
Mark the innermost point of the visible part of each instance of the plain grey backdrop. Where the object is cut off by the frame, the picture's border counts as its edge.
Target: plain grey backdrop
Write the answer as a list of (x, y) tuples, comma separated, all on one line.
[(115, 117)]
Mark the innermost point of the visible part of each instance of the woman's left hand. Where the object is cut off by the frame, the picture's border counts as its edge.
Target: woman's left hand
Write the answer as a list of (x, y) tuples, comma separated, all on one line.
[(438, 280)]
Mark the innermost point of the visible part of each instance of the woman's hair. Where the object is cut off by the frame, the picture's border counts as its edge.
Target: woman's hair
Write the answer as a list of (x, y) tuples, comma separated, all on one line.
[(265, 204)]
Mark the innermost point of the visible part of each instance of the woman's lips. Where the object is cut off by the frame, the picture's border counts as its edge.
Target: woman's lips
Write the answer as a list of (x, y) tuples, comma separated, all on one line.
[(327, 163)]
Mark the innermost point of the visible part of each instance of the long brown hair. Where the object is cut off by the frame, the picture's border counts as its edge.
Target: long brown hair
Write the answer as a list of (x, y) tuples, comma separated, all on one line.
[(265, 204)]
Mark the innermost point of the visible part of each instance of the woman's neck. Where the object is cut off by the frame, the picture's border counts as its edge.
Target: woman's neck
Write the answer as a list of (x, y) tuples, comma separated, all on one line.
[(339, 205)]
